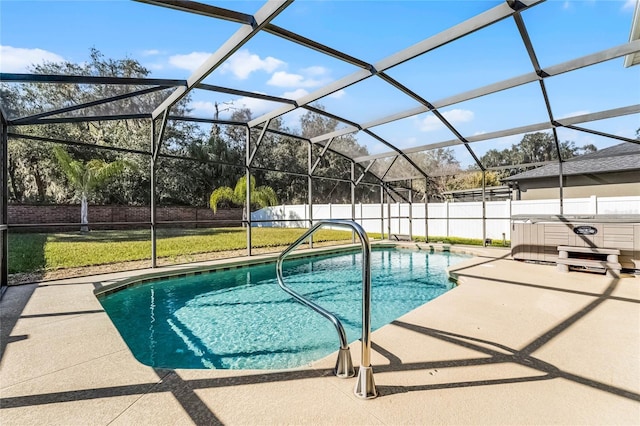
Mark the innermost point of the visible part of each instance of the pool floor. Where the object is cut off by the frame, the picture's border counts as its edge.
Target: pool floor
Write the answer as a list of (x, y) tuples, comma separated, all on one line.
[(241, 319)]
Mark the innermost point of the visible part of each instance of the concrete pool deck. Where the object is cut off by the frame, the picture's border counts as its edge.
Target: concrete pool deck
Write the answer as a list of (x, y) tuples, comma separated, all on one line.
[(514, 343)]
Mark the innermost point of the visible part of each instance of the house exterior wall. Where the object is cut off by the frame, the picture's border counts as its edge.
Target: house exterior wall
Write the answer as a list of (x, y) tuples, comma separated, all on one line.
[(610, 190)]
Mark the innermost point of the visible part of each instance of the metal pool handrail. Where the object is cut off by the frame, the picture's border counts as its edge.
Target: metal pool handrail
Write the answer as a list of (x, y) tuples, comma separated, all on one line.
[(365, 386)]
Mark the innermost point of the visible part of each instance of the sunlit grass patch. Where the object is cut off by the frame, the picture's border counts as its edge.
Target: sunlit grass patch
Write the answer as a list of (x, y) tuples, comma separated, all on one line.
[(38, 252)]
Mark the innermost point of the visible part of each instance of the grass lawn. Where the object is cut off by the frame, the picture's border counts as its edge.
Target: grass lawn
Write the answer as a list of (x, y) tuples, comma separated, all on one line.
[(51, 251)]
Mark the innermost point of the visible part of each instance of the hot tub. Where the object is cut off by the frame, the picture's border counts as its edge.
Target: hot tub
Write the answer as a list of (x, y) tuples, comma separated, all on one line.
[(536, 238)]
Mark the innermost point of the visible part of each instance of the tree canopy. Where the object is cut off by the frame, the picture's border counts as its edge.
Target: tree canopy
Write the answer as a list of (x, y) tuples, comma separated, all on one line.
[(533, 148), (197, 159)]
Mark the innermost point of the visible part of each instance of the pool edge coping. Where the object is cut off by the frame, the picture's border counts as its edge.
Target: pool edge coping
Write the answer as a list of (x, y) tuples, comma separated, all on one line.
[(233, 263)]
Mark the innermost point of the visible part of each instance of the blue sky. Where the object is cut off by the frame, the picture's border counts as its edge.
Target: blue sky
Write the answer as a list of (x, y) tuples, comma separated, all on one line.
[(172, 44)]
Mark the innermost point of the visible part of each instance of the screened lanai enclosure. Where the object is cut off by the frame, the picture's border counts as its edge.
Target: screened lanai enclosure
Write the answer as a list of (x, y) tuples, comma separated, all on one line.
[(297, 105)]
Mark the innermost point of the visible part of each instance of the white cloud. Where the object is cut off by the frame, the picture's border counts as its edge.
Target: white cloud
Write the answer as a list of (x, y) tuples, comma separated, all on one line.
[(243, 63), (285, 79), (429, 123), (150, 52), (314, 76), (207, 109), (629, 4), (190, 61), (315, 71), (454, 116), (154, 66), (296, 94), (202, 109), (337, 95), (458, 115), (17, 59), (257, 106)]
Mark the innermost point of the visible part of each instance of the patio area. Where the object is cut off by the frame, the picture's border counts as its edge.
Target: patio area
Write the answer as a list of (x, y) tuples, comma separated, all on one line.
[(150, 133), (514, 343)]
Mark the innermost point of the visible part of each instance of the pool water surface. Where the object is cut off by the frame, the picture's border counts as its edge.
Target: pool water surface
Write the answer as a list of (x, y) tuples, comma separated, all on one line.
[(241, 319)]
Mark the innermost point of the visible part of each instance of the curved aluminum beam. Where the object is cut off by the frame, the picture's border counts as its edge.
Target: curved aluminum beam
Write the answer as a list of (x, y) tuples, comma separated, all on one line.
[(571, 65), (561, 122), (469, 26), (268, 12)]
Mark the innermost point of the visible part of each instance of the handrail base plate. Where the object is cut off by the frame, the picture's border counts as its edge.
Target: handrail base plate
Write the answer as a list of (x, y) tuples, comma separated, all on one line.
[(365, 386), (344, 365)]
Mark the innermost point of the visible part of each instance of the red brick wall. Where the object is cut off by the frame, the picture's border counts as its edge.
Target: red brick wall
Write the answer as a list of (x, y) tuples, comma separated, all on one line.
[(32, 214)]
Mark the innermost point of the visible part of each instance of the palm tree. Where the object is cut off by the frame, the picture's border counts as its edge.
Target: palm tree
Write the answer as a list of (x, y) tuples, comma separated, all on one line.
[(261, 196), (86, 177)]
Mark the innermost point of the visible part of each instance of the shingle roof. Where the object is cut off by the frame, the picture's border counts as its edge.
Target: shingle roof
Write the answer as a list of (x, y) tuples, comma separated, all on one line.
[(622, 157)]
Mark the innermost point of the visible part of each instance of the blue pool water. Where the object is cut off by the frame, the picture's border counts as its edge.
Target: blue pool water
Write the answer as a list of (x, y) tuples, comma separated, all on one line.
[(241, 319)]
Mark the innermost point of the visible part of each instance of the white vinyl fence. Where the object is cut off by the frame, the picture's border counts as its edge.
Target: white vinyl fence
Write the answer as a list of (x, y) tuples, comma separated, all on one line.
[(459, 219)]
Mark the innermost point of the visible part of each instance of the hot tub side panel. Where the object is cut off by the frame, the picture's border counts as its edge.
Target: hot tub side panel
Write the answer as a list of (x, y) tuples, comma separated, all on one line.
[(538, 241)]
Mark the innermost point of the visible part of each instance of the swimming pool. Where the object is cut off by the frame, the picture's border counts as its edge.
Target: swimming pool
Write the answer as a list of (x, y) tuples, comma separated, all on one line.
[(241, 319)]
